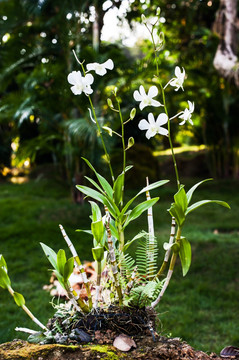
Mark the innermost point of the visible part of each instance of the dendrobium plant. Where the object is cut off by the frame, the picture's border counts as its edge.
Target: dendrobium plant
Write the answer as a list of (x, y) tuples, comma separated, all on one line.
[(131, 281)]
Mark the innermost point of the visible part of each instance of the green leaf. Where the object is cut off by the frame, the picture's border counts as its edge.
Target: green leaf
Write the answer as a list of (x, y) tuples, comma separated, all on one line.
[(93, 182), (91, 193), (118, 188), (98, 253), (138, 236), (61, 260), (36, 338), (146, 188), (96, 213), (98, 230), (50, 254), (174, 246), (4, 279), (204, 202), (176, 211), (185, 254), (60, 278), (191, 191), (3, 262), (114, 211), (68, 268), (19, 299), (139, 209), (180, 199), (179, 207), (89, 232), (103, 182)]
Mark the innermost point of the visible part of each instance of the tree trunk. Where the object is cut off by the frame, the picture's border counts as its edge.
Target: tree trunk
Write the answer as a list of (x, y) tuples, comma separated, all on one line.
[(226, 25)]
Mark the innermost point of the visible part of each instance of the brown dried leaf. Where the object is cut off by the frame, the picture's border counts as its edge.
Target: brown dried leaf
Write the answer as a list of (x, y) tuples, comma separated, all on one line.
[(230, 351), (124, 342)]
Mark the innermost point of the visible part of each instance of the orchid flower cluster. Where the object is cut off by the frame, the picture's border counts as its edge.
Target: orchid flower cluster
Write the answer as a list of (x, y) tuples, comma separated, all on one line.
[(127, 283)]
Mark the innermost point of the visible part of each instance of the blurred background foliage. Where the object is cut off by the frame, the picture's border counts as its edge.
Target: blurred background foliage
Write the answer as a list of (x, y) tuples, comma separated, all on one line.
[(41, 120)]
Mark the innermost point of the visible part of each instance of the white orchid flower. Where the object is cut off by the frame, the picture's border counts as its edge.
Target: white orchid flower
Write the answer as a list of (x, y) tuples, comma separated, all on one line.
[(100, 69), (80, 83), (187, 113), (146, 100), (177, 82), (154, 127)]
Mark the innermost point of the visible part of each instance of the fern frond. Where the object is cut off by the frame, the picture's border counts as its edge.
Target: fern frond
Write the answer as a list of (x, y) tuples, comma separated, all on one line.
[(146, 258), (143, 295), (127, 264)]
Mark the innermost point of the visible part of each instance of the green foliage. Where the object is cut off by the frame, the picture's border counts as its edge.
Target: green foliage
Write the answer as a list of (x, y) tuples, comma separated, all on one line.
[(180, 208), (185, 254), (146, 258), (62, 267), (143, 295), (19, 299)]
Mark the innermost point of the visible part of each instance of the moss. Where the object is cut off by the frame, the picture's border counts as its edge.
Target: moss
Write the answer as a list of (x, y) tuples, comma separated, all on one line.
[(107, 350), (22, 350)]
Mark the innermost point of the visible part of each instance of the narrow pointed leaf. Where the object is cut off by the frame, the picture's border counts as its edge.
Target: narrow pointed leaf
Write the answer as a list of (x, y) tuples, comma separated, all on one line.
[(50, 254), (180, 199), (185, 255), (4, 279), (97, 229), (118, 189), (96, 213), (139, 209), (68, 268), (204, 202), (3, 262), (146, 188), (191, 191), (103, 182), (61, 260), (176, 211), (138, 236), (98, 253), (19, 299)]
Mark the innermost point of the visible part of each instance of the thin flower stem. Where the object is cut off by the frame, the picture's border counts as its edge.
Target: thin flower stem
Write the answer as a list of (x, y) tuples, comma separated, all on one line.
[(123, 146), (97, 122), (166, 111), (101, 137)]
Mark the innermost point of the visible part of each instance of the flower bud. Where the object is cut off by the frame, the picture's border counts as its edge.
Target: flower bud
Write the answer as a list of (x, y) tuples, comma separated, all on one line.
[(143, 18), (110, 104), (158, 11), (130, 142), (132, 114)]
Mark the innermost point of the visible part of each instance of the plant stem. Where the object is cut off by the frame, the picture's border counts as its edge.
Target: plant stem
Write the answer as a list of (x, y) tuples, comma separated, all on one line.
[(98, 280), (96, 121), (74, 297), (113, 258), (102, 140), (151, 235), (121, 237), (166, 112), (170, 272), (167, 254), (123, 146), (28, 312), (78, 264)]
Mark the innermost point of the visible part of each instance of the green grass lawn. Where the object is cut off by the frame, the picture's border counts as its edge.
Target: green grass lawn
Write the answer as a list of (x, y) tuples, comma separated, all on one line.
[(201, 308)]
